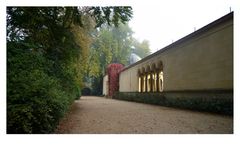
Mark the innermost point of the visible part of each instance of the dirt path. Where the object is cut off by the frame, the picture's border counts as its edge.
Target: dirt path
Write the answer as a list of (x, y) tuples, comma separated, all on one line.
[(108, 116)]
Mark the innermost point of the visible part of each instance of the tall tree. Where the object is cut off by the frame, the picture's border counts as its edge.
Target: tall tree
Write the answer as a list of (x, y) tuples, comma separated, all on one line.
[(141, 48), (110, 45), (47, 50)]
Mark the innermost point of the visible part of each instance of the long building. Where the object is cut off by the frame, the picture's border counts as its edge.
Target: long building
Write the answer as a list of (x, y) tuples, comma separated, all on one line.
[(199, 62)]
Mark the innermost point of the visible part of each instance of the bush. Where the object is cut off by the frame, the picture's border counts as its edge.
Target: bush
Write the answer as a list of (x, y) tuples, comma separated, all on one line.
[(79, 93), (36, 99), (218, 101)]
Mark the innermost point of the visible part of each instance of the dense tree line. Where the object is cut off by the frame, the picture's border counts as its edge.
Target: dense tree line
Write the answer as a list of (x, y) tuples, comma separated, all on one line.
[(48, 52), (111, 45)]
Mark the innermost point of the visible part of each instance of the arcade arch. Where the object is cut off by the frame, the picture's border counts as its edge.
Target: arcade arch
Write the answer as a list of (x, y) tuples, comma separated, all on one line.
[(150, 78)]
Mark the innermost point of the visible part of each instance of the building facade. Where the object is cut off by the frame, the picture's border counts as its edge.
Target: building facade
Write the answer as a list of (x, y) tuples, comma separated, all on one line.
[(202, 60), (195, 72)]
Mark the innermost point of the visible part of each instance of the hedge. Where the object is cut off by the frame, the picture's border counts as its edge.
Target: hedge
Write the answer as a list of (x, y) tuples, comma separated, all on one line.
[(209, 101), (37, 98)]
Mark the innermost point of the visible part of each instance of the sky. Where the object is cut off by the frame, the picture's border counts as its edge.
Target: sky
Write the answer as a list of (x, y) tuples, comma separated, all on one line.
[(164, 22)]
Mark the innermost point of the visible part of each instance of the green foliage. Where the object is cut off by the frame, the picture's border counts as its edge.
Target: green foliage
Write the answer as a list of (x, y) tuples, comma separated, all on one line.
[(36, 101), (218, 102), (111, 15), (47, 52), (79, 93), (141, 48), (111, 45)]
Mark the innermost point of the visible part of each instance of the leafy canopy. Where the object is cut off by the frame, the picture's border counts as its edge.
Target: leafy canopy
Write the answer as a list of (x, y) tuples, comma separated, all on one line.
[(47, 52)]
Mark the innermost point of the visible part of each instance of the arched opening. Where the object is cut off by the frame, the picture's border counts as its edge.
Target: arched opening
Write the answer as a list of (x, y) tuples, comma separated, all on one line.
[(150, 79), (148, 82), (139, 81), (153, 82), (144, 84), (147, 79), (161, 81), (154, 77), (86, 91)]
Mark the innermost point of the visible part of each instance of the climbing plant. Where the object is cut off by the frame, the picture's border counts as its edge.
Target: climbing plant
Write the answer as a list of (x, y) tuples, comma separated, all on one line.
[(113, 71)]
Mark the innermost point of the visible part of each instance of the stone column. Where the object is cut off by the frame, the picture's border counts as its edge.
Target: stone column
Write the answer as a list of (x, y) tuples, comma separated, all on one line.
[(151, 82), (146, 82)]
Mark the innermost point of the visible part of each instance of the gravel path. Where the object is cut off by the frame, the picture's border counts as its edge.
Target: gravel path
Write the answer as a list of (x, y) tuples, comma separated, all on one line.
[(108, 116)]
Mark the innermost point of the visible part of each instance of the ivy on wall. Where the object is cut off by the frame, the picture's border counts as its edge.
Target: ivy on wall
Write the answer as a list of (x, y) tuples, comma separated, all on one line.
[(113, 71)]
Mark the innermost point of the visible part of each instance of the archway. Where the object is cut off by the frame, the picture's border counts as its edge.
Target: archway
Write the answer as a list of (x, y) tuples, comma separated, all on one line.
[(86, 91), (150, 78)]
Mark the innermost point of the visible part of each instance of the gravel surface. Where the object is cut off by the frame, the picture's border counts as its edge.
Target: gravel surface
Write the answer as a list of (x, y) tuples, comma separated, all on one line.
[(98, 115)]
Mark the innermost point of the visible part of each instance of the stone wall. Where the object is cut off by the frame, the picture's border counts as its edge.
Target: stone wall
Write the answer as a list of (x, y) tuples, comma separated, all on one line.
[(202, 60)]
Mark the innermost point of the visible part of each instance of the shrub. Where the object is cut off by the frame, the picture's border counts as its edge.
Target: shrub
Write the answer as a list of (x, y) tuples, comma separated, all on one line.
[(36, 99), (79, 93), (218, 102)]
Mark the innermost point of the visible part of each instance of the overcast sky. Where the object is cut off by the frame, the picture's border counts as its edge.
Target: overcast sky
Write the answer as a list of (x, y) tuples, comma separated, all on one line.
[(164, 22)]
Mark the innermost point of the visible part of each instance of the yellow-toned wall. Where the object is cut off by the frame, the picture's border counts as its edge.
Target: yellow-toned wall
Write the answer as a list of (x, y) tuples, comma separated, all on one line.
[(128, 80), (202, 62)]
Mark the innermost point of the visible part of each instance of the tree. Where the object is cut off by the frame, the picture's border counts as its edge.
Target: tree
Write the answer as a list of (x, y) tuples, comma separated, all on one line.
[(121, 44), (47, 50), (111, 45), (141, 48)]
